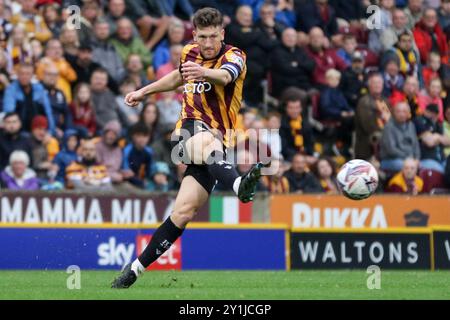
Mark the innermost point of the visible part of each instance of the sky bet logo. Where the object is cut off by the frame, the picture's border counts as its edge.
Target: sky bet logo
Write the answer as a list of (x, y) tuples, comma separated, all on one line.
[(113, 253)]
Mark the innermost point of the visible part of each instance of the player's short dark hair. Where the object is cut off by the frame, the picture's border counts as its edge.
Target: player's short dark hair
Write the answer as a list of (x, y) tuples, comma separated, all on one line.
[(207, 17), (139, 129)]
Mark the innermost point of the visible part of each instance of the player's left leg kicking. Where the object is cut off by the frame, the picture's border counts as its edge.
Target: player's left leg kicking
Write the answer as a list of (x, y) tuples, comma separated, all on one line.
[(191, 196), (198, 182)]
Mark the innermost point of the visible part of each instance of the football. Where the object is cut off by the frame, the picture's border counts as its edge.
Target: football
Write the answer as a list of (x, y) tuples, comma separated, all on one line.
[(358, 179)]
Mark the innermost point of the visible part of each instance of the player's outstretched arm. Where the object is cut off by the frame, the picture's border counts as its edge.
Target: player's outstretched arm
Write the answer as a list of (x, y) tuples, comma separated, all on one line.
[(193, 71), (218, 76), (169, 82)]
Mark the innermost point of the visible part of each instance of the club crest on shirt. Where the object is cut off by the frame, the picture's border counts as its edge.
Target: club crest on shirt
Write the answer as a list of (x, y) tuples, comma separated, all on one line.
[(237, 59)]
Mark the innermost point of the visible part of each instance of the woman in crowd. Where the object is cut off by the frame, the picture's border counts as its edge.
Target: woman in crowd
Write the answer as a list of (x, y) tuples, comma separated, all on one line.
[(18, 175), (325, 171), (82, 110), (150, 117)]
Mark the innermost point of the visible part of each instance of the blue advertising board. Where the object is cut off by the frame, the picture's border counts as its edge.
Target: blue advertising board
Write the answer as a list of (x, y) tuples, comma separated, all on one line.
[(224, 248)]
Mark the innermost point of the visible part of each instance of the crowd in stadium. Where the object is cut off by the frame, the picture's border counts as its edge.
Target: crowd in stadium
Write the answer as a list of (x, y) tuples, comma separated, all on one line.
[(338, 82)]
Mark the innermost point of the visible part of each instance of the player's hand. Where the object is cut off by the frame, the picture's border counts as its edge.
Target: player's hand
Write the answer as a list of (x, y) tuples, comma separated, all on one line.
[(134, 98), (192, 71)]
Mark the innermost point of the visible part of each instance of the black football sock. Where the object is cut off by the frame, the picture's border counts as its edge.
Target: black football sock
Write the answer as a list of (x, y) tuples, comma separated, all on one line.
[(162, 239), (222, 171)]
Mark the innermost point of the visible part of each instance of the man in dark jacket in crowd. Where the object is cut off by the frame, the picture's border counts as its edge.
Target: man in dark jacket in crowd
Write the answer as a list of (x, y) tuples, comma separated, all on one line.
[(317, 13), (353, 80), (60, 110), (299, 177), (244, 35), (350, 10), (271, 27), (12, 139), (291, 66), (430, 133), (372, 113), (84, 66)]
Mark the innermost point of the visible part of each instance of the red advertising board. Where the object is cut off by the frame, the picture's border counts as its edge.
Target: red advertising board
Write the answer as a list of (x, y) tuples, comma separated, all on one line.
[(170, 260)]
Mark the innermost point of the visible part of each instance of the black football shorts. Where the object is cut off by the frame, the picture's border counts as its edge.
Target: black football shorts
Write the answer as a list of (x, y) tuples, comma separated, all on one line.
[(199, 172)]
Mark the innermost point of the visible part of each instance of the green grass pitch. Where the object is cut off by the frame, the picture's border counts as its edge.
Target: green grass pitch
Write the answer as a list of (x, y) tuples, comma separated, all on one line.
[(229, 285)]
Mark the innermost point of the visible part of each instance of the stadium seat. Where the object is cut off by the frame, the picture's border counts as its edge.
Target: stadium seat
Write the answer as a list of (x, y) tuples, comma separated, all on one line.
[(371, 58), (431, 180), (439, 191)]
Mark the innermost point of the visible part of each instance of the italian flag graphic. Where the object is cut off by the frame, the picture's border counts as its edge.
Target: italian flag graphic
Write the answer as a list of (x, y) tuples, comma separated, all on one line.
[(229, 210)]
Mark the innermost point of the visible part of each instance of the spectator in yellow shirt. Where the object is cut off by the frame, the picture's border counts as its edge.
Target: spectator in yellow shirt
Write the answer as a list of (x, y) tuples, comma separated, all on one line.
[(406, 181), (86, 173), (34, 23), (54, 55)]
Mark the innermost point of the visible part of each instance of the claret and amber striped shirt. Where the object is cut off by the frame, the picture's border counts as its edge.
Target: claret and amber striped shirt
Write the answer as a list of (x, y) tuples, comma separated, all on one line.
[(214, 104)]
